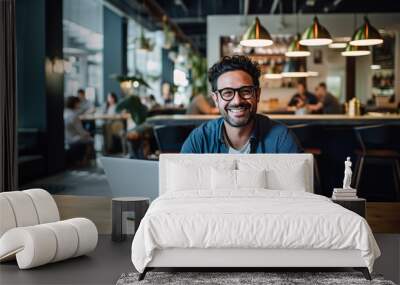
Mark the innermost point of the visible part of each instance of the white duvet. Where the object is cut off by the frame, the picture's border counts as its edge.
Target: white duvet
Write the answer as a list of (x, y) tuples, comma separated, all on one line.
[(253, 218)]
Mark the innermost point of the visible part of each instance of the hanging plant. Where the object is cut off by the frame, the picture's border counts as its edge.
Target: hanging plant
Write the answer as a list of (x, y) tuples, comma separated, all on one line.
[(199, 73)]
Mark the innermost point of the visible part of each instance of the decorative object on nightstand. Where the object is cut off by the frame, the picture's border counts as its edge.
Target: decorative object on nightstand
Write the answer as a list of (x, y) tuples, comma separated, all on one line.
[(345, 193), (357, 205), (123, 209)]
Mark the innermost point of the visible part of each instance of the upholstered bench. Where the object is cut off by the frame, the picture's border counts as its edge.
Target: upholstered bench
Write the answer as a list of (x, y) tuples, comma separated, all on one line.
[(31, 230)]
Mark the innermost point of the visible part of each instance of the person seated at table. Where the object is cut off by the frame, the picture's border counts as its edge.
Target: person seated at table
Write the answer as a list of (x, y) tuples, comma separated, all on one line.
[(138, 137), (301, 100), (112, 128), (78, 141), (328, 104), (86, 107), (200, 105)]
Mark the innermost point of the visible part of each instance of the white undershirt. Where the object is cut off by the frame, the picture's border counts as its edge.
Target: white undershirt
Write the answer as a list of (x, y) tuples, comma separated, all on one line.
[(245, 149)]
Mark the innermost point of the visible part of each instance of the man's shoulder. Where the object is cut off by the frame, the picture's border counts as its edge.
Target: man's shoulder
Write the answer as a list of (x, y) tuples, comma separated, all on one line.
[(208, 127), (270, 129)]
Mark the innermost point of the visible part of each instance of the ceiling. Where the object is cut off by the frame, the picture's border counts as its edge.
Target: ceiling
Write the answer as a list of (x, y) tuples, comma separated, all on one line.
[(190, 15)]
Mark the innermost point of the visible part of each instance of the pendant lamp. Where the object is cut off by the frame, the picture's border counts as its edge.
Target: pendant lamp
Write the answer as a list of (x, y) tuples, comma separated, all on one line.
[(296, 49), (294, 68), (316, 35), (366, 35), (356, 50), (256, 36)]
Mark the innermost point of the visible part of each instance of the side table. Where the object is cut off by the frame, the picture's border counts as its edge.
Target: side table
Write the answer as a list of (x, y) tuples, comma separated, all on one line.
[(357, 205), (139, 205)]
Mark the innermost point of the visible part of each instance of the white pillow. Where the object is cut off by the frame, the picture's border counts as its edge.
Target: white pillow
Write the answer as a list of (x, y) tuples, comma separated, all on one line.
[(237, 179), (187, 175), (251, 178), (223, 179), (283, 175)]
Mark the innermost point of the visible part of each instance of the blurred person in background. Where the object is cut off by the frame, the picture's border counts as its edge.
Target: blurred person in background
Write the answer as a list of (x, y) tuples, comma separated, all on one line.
[(300, 101), (137, 138), (328, 104), (112, 128), (78, 141), (86, 108), (200, 105)]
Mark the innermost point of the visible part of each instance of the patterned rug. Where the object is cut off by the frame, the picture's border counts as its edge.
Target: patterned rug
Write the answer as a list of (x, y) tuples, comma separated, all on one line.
[(243, 278)]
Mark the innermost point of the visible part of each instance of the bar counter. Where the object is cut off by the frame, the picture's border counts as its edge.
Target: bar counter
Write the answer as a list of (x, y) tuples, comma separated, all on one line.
[(326, 120)]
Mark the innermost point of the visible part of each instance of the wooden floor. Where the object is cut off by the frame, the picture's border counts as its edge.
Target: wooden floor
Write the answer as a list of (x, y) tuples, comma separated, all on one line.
[(382, 217), (97, 209)]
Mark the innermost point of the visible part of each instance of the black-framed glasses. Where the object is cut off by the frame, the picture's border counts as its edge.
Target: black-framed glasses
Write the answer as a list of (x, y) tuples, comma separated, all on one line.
[(245, 92)]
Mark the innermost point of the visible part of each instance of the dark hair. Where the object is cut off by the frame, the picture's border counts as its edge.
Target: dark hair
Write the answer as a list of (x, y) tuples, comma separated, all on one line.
[(114, 96), (303, 83), (322, 84), (231, 63), (81, 91), (71, 102)]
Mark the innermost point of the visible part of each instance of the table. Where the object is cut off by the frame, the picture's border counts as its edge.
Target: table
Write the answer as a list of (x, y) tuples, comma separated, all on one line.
[(357, 205), (139, 205)]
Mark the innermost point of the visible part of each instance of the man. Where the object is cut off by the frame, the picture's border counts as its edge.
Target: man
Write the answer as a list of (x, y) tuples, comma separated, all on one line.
[(86, 107), (302, 99), (137, 139), (328, 104), (236, 92)]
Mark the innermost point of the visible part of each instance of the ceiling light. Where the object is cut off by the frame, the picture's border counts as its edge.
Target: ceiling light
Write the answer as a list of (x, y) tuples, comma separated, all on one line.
[(297, 50), (273, 76), (375, 66), (356, 51), (256, 36), (294, 68), (316, 35), (366, 35), (312, 73), (337, 45)]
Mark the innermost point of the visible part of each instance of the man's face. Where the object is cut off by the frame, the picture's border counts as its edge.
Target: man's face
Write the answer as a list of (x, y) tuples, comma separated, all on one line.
[(237, 112), (300, 89), (320, 92)]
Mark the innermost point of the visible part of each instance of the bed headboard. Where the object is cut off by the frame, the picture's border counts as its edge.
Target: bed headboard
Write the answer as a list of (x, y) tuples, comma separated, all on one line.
[(268, 160)]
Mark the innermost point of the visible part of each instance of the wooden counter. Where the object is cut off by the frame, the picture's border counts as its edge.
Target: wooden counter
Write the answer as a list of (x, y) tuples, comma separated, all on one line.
[(341, 120)]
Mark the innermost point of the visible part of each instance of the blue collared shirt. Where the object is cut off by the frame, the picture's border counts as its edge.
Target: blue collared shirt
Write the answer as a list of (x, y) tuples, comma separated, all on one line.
[(268, 136)]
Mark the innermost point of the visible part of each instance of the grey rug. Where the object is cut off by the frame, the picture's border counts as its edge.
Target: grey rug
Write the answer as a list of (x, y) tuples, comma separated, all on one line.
[(229, 278)]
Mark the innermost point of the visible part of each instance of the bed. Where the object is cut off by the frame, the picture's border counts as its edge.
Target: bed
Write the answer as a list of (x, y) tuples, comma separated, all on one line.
[(246, 211)]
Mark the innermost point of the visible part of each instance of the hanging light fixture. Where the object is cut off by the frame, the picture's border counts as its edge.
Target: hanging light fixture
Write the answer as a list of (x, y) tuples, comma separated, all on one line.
[(316, 35), (256, 36), (339, 43), (296, 49), (366, 35), (295, 68), (356, 50)]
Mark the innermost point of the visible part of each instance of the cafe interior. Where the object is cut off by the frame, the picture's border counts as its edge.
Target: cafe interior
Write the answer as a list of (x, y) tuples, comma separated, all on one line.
[(90, 82)]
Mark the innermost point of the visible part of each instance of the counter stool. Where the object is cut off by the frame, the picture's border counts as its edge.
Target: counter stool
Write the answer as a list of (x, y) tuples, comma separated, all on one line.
[(138, 205), (379, 143), (307, 137)]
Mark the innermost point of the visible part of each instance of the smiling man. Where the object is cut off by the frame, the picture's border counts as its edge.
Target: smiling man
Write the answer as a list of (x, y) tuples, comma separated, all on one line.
[(236, 92)]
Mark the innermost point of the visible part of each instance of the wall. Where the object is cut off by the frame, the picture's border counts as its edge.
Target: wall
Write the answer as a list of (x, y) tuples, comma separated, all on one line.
[(338, 25), (112, 52), (30, 28)]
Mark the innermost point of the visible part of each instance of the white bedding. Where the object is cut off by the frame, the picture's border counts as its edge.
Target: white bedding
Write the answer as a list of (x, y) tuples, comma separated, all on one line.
[(251, 218)]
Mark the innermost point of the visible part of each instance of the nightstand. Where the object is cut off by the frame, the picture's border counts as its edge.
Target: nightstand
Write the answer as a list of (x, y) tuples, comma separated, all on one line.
[(138, 205), (358, 205)]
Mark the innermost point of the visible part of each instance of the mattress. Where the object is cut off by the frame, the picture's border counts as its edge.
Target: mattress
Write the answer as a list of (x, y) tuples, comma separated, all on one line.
[(251, 219)]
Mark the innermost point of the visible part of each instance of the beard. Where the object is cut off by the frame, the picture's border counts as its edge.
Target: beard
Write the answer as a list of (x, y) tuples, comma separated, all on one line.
[(238, 115)]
